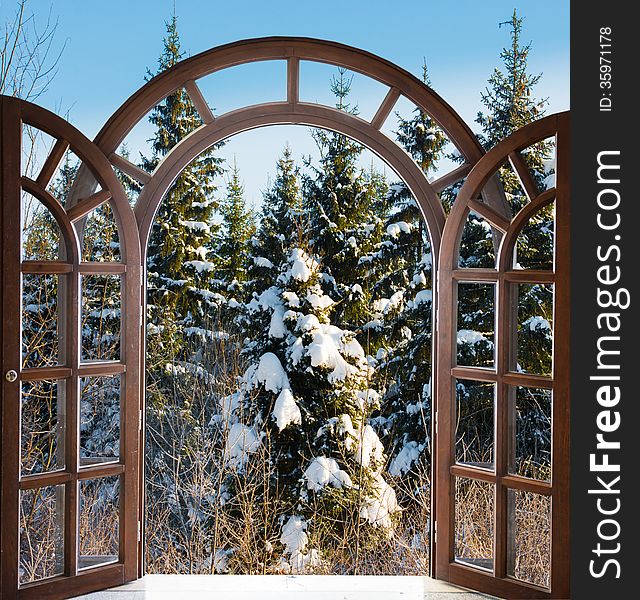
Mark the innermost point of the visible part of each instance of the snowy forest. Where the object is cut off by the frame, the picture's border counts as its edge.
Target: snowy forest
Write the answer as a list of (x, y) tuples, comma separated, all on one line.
[(289, 352)]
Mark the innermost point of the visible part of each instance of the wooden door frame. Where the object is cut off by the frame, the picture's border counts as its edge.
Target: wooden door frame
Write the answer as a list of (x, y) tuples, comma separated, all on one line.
[(555, 126), (15, 114)]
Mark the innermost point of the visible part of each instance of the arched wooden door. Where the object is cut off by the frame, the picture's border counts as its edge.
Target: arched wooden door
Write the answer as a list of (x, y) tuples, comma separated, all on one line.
[(502, 466), (70, 402)]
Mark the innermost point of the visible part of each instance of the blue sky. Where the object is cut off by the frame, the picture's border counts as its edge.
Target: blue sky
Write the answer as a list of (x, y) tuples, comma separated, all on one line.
[(110, 45)]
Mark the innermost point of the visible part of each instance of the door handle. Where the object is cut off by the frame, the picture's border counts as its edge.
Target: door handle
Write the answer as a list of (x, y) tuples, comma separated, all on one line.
[(11, 375)]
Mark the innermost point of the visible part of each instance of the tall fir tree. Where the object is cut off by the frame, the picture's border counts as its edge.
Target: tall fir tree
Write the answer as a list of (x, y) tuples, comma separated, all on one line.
[(402, 270), (510, 104), (233, 243), (344, 202)]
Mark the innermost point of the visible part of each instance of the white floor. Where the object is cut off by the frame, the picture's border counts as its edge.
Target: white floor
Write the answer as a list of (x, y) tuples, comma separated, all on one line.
[(282, 587)]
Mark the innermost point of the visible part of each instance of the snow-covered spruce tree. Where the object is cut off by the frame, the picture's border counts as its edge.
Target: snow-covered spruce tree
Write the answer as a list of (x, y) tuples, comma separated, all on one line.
[(344, 204), (182, 335), (401, 269), (179, 271), (233, 240), (302, 409), (510, 104)]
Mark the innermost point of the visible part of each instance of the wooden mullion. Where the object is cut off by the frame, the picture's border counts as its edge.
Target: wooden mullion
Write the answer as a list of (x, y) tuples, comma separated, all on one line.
[(529, 276), (475, 374), (96, 471), (475, 275), (44, 373), (52, 162), (462, 470), (515, 482), (71, 324), (31, 482), (46, 267), (102, 268), (104, 368), (384, 110), (528, 380)]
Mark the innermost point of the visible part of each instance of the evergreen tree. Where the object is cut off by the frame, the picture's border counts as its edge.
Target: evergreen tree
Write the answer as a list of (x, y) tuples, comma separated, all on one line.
[(178, 270), (344, 204), (402, 270), (510, 104), (237, 230)]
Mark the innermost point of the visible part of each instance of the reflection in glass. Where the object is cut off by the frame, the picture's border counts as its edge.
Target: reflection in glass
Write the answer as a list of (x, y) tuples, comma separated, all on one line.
[(99, 420), (535, 328), (534, 246), (476, 324), (100, 242), (40, 344), (41, 533), (531, 432), (474, 523), (98, 522), (474, 423), (42, 426), (529, 537), (100, 317), (41, 236), (477, 244)]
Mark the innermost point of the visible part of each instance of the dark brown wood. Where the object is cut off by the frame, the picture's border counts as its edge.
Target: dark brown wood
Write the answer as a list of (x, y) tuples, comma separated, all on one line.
[(10, 148), (40, 373), (46, 266), (503, 588), (97, 268), (527, 181), (293, 80), (507, 279), (52, 163), (58, 588), (199, 101), (452, 177), (84, 207), (70, 369), (129, 168), (384, 110)]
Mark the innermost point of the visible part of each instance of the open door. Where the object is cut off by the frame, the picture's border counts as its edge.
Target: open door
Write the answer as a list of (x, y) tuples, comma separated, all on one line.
[(70, 343), (502, 420)]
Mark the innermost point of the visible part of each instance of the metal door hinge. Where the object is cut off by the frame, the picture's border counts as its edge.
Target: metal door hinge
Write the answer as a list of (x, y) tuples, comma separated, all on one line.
[(139, 531)]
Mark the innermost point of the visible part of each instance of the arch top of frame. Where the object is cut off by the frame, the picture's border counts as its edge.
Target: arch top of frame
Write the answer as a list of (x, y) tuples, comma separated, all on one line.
[(283, 48)]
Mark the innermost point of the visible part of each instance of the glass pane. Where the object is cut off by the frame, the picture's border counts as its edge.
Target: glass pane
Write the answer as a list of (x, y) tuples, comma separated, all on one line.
[(476, 324), (531, 437), (477, 244), (474, 523), (534, 246), (100, 236), (98, 522), (100, 317), (99, 420), (41, 533), (529, 537), (41, 236), (40, 320), (42, 426), (535, 323), (474, 430)]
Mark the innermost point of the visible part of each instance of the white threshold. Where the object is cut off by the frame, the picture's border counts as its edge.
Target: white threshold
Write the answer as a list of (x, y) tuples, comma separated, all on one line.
[(285, 587)]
